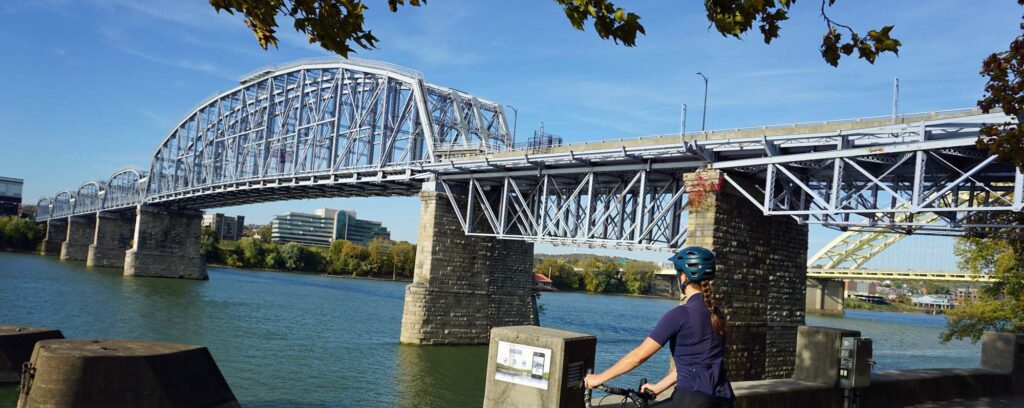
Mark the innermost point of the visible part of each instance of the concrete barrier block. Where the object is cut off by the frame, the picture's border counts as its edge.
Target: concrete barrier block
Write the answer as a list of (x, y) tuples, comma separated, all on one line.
[(123, 373), (531, 367), (16, 344), (817, 353)]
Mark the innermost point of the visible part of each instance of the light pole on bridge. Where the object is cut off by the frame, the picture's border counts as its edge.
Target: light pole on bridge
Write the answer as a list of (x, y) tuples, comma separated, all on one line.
[(704, 117), (515, 123)]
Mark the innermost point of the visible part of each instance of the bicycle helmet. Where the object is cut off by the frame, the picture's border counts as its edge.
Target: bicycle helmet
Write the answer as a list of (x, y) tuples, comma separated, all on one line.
[(697, 263)]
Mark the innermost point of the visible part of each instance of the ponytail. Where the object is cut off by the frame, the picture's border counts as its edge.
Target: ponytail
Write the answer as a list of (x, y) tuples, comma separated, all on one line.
[(717, 320)]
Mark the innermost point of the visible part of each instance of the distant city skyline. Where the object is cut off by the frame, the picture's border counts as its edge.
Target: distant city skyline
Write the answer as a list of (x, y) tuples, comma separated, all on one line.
[(100, 83)]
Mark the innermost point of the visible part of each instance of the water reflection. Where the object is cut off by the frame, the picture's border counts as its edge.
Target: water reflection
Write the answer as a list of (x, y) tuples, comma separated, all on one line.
[(441, 376)]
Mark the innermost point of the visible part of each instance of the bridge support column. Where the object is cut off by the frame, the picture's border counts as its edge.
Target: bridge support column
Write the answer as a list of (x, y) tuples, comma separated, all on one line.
[(166, 244), (761, 276), (56, 233), (81, 229), (464, 285), (112, 238), (825, 296)]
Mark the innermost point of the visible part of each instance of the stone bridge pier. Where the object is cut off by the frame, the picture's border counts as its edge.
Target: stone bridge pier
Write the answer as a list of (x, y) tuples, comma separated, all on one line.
[(166, 244), (81, 229), (56, 233), (761, 276), (825, 296), (464, 285), (112, 238)]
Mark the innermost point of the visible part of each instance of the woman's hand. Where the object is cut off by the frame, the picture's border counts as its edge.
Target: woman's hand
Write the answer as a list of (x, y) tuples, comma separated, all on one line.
[(593, 380), (653, 388)]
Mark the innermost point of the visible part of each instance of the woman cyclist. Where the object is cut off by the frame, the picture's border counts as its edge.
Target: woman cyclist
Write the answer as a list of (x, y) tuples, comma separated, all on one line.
[(695, 333)]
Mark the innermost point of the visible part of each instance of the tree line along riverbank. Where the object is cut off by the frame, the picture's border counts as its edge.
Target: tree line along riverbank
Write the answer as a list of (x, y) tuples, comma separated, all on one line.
[(20, 234), (380, 257)]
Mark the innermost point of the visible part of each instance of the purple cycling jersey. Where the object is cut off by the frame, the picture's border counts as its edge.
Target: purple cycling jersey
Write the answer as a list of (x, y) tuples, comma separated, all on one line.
[(698, 352)]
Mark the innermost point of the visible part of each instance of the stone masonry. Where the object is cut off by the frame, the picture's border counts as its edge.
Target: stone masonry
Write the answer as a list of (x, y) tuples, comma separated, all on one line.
[(81, 229), (760, 284), (56, 233), (113, 237), (464, 285), (166, 244)]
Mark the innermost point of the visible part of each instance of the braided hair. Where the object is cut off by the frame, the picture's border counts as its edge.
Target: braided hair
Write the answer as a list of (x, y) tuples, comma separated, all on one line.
[(717, 320)]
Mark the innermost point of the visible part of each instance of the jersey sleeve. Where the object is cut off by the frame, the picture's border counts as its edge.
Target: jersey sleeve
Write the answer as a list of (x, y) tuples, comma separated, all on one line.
[(667, 327)]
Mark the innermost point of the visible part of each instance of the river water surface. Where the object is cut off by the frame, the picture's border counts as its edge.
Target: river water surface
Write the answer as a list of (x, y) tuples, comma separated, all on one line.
[(295, 340)]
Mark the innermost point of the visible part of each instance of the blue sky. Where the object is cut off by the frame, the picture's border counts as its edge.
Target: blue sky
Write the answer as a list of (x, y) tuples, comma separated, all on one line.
[(91, 86)]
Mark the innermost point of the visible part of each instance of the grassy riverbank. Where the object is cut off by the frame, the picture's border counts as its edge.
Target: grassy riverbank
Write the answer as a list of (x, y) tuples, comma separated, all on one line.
[(855, 304)]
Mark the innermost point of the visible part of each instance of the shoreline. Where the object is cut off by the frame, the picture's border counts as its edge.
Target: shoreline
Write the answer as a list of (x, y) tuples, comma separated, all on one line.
[(401, 279)]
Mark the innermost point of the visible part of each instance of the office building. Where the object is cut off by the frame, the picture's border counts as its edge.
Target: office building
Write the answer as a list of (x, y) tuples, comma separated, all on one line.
[(325, 226), (10, 195), (226, 228)]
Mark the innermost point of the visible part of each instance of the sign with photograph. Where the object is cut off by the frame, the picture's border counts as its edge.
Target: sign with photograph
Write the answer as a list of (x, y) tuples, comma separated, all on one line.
[(524, 365)]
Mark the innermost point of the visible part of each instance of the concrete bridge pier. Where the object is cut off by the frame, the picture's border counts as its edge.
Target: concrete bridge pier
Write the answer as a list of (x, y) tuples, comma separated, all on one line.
[(111, 240), (761, 277), (56, 233), (166, 244), (825, 296), (464, 285), (81, 229)]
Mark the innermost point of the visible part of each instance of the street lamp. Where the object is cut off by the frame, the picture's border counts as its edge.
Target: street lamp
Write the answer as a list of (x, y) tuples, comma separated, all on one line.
[(704, 117), (515, 123)]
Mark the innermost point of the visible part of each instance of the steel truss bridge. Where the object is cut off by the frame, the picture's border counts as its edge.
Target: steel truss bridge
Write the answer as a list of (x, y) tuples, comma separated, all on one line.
[(344, 128)]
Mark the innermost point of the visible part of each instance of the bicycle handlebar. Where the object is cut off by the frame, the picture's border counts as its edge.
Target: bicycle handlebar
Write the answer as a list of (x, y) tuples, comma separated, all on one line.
[(639, 398)]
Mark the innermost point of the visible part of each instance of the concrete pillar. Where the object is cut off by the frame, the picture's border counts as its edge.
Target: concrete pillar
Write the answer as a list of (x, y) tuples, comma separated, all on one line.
[(166, 244), (111, 239), (81, 229), (761, 279), (825, 296), (56, 233), (464, 285)]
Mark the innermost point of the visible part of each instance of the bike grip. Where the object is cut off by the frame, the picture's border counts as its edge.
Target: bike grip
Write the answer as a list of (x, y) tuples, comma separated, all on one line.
[(613, 390)]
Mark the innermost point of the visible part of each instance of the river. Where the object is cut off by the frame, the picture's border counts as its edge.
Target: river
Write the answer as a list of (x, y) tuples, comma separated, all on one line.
[(310, 341)]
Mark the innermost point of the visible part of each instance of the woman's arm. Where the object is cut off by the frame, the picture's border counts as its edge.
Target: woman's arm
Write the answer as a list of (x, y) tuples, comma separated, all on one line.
[(631, 360), (661, 386)]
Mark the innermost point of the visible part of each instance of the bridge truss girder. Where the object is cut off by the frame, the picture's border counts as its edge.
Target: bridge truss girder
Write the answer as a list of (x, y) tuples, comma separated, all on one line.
[(639, 209), (929, 183)]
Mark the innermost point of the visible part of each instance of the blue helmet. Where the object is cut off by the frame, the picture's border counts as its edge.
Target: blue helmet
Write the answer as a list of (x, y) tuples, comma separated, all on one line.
[(697, 263)]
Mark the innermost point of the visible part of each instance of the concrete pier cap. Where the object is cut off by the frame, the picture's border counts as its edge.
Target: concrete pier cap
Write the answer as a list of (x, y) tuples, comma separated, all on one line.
[(16, 344), (123, 373)]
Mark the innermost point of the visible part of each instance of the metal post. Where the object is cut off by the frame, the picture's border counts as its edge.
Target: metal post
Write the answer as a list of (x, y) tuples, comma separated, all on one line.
[(704, 117), (682, 121), (895, 98)]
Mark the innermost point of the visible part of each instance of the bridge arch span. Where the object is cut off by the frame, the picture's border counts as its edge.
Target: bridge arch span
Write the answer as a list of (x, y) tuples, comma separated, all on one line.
[(43, 208), (88, 197), (123, 189), (63, 204), (318, 119)]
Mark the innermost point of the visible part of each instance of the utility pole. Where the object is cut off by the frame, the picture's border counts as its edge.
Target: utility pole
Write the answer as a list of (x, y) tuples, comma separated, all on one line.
[(704, 117)]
